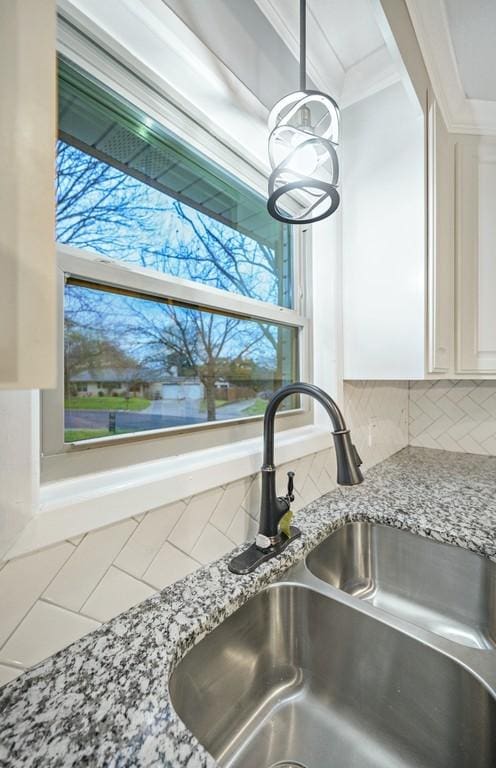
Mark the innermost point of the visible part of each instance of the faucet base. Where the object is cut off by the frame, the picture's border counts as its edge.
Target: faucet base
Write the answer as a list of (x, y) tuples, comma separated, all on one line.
[(251, 558)]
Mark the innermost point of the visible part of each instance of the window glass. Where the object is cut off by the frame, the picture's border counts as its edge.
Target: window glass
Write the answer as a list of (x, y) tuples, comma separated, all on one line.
[(134, 364), (128, 190)]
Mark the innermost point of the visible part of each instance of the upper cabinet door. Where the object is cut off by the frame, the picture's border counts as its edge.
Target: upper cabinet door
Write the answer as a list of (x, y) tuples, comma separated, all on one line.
[(27, 217), (476, 255), (440, 224)]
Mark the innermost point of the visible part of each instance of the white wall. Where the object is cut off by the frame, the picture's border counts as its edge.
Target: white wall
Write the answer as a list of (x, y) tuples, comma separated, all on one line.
[(19, 463), (383, 237)]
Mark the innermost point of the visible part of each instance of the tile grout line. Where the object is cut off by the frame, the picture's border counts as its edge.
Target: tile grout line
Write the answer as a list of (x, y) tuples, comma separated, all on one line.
[(41, 593), (178, 549), (55, 605), (69, 610), (109, 567)]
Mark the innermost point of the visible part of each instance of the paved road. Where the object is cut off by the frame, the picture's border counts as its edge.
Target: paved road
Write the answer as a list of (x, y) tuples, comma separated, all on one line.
[(191, 409), (130, 421), (158, 415)]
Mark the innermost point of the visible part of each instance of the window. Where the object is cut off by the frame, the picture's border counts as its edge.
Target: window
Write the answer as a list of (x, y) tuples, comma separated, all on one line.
[(179, 365), (178, 287)]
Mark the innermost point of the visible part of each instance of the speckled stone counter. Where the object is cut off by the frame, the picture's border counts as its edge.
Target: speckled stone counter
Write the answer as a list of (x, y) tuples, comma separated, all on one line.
[(104, 700)]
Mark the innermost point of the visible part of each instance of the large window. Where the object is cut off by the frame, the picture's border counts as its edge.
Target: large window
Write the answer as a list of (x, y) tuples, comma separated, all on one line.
[(178, 305)]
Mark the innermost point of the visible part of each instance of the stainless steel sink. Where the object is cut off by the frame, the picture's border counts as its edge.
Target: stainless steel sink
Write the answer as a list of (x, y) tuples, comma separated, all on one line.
[(297, 678), (444, 589)]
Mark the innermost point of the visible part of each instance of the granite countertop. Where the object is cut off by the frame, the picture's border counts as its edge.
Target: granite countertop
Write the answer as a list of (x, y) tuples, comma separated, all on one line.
[(104, 701)]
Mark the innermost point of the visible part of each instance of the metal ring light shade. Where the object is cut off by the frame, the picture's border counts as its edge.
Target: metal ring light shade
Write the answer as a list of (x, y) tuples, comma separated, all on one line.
[(304, 134), (302, 153)]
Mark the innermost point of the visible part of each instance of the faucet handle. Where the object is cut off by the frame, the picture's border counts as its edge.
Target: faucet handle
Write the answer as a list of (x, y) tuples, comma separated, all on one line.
[(290, 494)]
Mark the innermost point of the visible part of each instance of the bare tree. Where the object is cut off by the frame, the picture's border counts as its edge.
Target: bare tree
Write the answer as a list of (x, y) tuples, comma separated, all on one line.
[(101, 208), (98, 206), (201, 339)]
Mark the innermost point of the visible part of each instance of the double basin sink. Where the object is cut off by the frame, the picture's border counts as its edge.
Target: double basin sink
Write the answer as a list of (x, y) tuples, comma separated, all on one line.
[(376, 652)]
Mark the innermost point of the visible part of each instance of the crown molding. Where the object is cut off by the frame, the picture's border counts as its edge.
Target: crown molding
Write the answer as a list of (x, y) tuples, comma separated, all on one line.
[(284, 18), (368, 76), (461, 114)]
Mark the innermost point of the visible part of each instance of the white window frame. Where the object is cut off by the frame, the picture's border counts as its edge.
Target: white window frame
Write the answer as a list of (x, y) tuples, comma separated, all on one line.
[(60, 460)]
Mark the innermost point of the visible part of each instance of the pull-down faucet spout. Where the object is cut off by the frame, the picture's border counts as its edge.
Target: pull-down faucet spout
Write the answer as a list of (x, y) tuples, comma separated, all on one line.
[(270, 540)]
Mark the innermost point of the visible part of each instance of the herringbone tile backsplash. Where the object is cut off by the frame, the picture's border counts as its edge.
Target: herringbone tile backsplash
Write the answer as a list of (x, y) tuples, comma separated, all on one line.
[(453, 415), (51, 597)]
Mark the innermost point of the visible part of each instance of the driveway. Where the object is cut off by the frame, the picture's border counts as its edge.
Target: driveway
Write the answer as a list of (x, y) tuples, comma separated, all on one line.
[(233, 410), (183, 408)]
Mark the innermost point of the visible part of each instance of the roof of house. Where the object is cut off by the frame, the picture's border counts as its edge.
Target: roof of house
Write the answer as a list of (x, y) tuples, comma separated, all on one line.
[(129, 375)]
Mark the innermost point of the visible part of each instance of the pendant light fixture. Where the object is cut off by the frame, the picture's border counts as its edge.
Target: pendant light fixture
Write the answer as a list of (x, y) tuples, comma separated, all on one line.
[(304, 134)]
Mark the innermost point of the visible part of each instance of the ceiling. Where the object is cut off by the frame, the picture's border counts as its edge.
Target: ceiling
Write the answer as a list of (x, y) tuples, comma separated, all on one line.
[(349, 27), (472, 28), (458, 43), (258, 40)]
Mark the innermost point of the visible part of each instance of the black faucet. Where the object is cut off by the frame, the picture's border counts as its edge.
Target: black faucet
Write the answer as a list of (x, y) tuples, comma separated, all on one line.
[(271, 540)]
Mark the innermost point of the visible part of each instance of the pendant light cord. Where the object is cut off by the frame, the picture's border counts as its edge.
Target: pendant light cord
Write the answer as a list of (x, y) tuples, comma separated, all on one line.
[(303, 44)]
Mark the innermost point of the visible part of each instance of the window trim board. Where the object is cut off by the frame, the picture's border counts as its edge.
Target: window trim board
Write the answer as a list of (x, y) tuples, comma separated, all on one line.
[(77, 505), (102, 270)]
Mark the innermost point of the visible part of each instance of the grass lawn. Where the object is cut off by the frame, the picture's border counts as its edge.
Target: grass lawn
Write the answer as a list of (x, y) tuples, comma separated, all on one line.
[(257, 408), (73, 435), (107, 403), (218, 404)]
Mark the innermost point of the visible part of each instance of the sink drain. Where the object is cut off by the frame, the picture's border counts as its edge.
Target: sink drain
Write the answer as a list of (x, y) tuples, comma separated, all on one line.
[(287, 764)]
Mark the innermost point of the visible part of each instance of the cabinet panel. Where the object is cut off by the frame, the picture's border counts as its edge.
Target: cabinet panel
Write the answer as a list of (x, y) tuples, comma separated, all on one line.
[(383, 192), (476, 255), (27, 141), (440, 272)]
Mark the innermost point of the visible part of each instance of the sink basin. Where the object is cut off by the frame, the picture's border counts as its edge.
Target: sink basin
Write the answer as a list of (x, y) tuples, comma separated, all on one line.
[(295, 678), (445, 589)]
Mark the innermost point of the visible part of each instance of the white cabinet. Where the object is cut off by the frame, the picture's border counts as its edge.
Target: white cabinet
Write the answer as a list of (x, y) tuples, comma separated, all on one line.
[(476, 256), (440, 247), (27, 141), (419, 233), (397, 239)]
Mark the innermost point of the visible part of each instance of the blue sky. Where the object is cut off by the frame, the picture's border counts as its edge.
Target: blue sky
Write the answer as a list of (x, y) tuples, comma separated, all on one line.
[(108, 211)]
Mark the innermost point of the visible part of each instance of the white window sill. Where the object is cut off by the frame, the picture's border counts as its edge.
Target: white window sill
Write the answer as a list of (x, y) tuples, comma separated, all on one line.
[(72, 507)]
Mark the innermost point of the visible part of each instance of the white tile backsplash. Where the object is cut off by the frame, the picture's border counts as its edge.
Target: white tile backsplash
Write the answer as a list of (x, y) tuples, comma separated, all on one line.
[(23, 580), (91, 559), (377, 413), (45, 630), (243, 527), (92, 578), (231, 500), (211, 545), (169, 565), (115, 593), (189, 528), (146, 540), (9, 673), (453, 415)]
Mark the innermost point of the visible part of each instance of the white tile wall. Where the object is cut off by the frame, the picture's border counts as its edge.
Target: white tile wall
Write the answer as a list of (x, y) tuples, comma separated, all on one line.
[(144, 544), (377, 413), (75, 581), (116, 592), (52, 597), (23, 580), (453, 415), (45, 630)]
